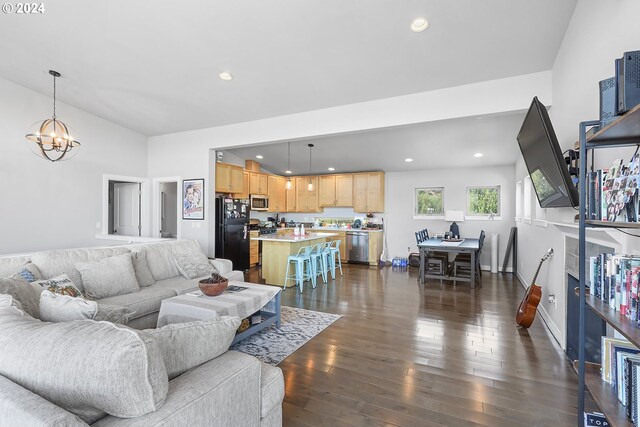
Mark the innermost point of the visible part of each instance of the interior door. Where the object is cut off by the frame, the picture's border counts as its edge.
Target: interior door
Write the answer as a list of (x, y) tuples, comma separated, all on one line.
[(126, 208)]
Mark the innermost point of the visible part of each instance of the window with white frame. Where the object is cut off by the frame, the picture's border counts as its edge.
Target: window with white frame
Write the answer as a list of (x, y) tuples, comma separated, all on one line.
[(429, 202), (483, 202)]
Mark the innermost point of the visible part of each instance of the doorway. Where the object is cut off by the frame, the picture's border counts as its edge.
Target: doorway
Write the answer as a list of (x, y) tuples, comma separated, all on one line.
[(125, 208)]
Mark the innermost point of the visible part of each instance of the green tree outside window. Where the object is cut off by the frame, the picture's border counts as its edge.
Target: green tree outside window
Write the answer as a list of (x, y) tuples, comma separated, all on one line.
[(483, 201), (429, 201)]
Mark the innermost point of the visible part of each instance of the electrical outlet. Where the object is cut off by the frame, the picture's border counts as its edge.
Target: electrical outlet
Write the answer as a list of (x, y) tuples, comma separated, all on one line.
[(553, 300)]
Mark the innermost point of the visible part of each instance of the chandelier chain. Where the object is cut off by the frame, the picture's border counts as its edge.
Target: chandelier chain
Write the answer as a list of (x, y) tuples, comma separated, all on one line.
[(54, 98)]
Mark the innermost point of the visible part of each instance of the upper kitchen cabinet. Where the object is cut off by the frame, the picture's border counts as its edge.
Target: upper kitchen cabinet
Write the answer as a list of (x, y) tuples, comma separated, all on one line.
[(258, 183), (291, 196), (368, 192), (327, 190), (306, 201), (229, 178), (276, 193), (335, 190), (245, 187)]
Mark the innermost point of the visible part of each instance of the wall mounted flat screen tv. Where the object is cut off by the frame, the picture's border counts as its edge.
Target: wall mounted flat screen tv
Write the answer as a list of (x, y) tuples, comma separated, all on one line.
[(543, 157)]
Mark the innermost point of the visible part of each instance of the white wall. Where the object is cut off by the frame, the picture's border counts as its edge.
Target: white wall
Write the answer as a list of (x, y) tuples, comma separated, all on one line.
[(600, 31), (56, 205), (399, 196), (189, 154)]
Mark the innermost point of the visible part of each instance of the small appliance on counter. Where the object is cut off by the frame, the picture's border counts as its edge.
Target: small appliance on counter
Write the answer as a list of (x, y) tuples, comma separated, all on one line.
[(357, 224)]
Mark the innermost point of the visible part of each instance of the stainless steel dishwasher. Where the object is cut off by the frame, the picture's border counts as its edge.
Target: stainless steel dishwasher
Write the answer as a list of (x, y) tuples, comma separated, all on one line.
[(358, 247)]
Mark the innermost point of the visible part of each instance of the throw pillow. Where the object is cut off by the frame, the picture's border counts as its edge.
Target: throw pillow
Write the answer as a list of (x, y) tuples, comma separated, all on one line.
[(141, 268), (58, 285), (92, 368), (193, 265), (22, 293), (108, 277), (187, 345), (28, 272), (113, 314), (63, 308)]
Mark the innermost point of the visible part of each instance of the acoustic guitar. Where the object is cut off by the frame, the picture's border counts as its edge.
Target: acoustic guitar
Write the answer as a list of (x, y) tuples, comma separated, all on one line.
[(527, 310)]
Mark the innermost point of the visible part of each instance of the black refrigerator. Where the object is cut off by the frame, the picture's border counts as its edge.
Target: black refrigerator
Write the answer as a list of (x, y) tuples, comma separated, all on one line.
[(232, 231)]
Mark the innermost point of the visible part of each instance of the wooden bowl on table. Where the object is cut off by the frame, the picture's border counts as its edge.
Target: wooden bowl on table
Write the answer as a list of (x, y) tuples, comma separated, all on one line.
[(214, 285)]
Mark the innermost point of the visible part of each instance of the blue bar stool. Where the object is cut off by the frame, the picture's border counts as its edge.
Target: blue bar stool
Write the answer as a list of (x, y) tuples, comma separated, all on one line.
[(334, 251), (300, 259), (319, 262)]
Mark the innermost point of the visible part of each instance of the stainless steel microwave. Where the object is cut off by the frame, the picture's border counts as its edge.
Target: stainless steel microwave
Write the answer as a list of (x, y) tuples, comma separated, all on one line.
[(259, 202)]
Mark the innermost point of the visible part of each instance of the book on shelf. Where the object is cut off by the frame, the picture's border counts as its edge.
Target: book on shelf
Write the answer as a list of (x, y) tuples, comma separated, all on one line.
[(621, 368), (614, 281), (612, 194), (605, 351), (595, 419)]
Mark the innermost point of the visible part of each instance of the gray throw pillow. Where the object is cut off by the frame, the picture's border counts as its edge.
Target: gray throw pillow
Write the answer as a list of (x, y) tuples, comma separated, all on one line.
[(141, 268), (113, 314), (23, 293), (93, 367), (108, 277), (63, 308), (28, 272), (187, 345), (192, 265)]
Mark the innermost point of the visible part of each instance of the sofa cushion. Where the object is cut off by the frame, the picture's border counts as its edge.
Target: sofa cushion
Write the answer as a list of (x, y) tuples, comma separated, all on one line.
[(23, 293), (160, 261), (9, 265), (62, 261), (187, 345), (193, 265), (145, 301), (59, 285), (179, 285), (88, 368), (63, 308), (28, 272), (141, 267), (108, 277), (271, 388)]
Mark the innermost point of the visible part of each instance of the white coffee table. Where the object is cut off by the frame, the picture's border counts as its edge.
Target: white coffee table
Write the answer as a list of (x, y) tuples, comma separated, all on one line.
[(197, 306)]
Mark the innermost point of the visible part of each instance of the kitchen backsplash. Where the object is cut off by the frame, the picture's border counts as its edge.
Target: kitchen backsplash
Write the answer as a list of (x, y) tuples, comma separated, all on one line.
[(329, 214)]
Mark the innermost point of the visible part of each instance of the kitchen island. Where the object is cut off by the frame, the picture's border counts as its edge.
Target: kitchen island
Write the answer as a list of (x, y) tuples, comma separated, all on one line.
[(277, 248)]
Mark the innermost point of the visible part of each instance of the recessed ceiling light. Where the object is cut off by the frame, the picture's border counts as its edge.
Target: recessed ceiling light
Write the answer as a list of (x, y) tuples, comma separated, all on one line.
[(332, 169), (409, 160), (419, 25), (259, 156), (478, 155), (225, 76), (289, 172)]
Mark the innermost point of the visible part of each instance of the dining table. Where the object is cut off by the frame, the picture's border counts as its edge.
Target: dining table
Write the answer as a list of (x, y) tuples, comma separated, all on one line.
[(433, 244)]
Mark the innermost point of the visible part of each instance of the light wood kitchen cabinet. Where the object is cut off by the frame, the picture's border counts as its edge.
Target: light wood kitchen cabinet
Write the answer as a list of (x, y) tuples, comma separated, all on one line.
[(368, 192), (335, 190), (375, 247), (245, 187), (290, 197), (306, 201), (276, 193), (254, 247), (344, 190), (327, 190), (258, 183), (229, 178)]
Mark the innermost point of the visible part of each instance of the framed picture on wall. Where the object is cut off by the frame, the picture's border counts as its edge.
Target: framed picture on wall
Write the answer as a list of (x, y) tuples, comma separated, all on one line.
[(193, 198)]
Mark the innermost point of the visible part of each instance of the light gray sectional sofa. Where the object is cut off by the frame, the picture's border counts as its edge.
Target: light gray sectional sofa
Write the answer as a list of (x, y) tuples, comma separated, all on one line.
[(88, 372)]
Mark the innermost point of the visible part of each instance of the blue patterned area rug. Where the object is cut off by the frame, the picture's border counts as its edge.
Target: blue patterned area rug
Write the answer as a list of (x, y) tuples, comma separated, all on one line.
[(273, 345)]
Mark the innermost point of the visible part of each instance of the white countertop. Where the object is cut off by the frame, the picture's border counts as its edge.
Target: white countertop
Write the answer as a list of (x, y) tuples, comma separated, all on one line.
[(292, 238), (339, 229)]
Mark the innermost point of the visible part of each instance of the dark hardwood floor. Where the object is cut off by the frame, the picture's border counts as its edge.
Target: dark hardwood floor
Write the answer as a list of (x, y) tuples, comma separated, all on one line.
[(438, 355)]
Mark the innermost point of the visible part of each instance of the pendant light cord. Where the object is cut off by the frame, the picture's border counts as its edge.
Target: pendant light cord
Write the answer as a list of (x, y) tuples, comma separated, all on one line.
[(54, 98), (289, 161)]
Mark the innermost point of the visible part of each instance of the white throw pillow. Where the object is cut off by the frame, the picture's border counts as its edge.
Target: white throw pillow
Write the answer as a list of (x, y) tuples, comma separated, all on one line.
[(108, 277), (141, 268), (187, 345), (193, 265), (58, 285), (63, 308)]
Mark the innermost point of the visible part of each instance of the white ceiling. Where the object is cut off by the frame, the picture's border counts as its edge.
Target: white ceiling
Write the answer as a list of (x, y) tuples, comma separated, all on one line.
[(432, 145), (153, 66)]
